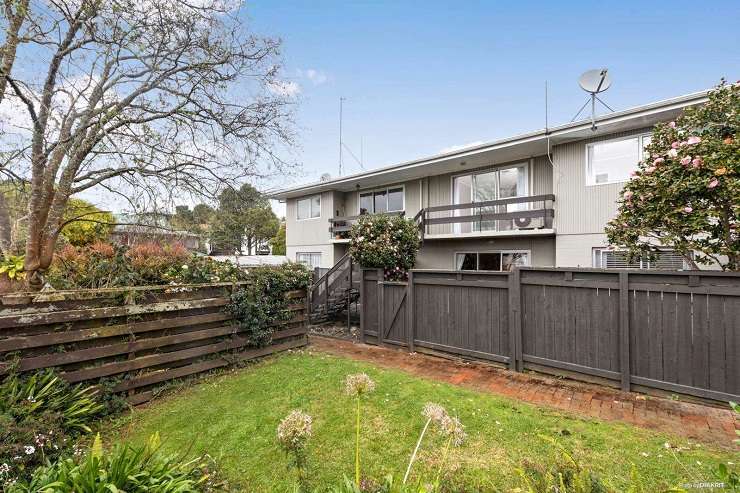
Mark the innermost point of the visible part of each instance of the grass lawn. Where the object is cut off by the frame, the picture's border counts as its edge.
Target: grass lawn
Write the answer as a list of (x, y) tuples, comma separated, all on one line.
[(233, 417)]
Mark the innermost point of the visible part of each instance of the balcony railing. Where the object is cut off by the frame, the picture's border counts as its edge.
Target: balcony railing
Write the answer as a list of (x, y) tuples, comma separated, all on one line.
[(511, 214), (339, 227)]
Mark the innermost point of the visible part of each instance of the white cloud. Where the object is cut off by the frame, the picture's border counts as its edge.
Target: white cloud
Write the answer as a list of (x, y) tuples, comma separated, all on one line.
[(461, 147), (284, 88), (317, 77)]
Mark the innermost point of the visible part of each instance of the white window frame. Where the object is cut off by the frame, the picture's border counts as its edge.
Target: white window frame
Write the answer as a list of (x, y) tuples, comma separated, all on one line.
[(383, 189), (590, 181), (309, 198), (488, 169), (477, 258), (644, 263), (298, 254)]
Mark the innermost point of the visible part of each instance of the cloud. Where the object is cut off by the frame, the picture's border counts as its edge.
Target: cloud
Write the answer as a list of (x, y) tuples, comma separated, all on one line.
[(317, 77), (285, 88), (461, 147)]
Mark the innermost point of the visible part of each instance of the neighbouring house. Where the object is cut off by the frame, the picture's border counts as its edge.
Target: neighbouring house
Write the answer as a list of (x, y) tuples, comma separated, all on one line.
[(152, 227), (540, 199)]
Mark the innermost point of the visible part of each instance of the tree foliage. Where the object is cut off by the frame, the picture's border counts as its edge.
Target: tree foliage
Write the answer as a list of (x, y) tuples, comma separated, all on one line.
[(277, 242), (146, 101), (243, 217), (85, 223), (686, 192), (385, 242)]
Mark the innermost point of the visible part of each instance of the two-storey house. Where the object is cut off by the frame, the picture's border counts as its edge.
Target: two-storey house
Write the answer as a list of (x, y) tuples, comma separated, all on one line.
[(541, 198)]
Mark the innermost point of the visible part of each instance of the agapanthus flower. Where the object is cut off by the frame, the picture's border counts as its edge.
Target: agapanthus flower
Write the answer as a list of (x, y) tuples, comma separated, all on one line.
[(294, 430), (454, 429), (358, 384), (434, 412)]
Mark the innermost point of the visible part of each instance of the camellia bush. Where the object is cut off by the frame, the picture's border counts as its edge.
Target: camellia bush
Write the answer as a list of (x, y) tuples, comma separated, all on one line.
[(385, 242), (685, 194)]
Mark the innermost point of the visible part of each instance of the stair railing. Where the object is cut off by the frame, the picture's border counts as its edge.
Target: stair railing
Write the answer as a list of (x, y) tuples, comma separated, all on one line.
[(320, 291)]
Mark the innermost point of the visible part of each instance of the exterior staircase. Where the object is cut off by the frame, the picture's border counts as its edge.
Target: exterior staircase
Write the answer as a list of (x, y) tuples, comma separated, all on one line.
[(336, 292)]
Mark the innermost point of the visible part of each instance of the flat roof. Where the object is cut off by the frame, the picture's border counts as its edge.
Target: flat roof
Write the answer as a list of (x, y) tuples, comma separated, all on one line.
[(510, 148)]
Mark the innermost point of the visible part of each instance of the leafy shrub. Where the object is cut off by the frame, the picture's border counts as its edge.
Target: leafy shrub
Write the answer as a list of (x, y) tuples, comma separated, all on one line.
[(261, 303), (385, 242), (87, 225), (40, 418), (124, 468), (102, 265)]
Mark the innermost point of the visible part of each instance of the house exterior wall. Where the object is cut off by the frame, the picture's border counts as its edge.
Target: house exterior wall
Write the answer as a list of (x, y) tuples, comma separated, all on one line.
[(440, 254), (310, 235), (581, 210)]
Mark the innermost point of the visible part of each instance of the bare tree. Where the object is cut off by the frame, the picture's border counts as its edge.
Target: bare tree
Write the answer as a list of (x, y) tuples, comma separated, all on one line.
[(141, 98)]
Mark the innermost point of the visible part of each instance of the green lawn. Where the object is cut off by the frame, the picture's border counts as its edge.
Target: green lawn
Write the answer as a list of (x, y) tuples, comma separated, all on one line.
[(234, 417)]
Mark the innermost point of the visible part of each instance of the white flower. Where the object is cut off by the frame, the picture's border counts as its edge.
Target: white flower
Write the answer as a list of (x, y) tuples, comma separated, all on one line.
[(29, 449), (4, 469), (184, 266), (294, 431), (358, 384)]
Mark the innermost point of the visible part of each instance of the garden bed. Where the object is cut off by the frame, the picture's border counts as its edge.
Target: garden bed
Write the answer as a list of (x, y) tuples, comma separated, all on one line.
[(234, 418)]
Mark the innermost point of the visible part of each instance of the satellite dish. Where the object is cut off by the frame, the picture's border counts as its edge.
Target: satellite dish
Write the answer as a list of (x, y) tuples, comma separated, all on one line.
[(325, 177), (595, 81)]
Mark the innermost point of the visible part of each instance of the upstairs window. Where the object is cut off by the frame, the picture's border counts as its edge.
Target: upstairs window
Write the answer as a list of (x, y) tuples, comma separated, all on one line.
[(309, 207), (613, 160), (615, 259), (379, 201)]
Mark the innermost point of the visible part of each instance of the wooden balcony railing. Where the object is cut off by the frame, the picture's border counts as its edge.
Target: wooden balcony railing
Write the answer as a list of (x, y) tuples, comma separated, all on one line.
[(515, 213), (339, 227)]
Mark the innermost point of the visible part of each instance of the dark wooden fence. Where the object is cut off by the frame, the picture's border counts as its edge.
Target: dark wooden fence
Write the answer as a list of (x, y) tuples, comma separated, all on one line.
[(142, 337), (673, 331)]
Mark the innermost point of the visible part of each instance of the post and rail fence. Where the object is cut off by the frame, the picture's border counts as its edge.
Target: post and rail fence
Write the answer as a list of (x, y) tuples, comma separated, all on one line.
[(674, 331), (141, 337)]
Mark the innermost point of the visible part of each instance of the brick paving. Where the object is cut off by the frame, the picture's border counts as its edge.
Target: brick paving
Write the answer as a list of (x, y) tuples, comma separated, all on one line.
[(704, 423)]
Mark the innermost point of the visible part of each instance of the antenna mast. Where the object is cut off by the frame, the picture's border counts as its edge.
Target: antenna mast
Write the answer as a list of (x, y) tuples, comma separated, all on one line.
[(341, 143)]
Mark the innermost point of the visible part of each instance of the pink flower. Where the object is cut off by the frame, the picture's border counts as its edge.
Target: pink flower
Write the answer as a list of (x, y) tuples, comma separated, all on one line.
[(697, 162), (693, 140), (686, 160), (672, 124), (674, 145), (688, 209), (650, 170), (673, 153), (628, 195), (713, 183), (658, 161), (634, 173)]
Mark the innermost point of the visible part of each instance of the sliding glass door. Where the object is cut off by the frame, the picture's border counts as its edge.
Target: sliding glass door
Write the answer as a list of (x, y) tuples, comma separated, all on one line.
[(487, 186)]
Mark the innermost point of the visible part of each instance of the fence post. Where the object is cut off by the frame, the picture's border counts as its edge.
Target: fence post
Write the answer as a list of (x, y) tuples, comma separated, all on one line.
[(410, 324), (515, 320), (624, 330), (363, 305), (381, 308)]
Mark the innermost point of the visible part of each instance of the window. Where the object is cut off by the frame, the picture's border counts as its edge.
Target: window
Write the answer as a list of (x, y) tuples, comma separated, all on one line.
[(380, 201), (604, 258), (493, 261), (612, 161), (310, 259), (485, 186), (309, 207)]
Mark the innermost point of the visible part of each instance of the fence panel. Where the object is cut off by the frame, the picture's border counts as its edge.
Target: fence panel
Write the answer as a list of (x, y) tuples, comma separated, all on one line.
[(677, 331), (139, 337)]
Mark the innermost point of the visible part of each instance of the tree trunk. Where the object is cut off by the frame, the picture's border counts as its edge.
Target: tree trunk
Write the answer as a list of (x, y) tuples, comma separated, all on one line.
[(8, 50)]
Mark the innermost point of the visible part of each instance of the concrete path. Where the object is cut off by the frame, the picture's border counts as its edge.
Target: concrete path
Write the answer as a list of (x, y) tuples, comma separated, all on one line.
[(700, 422)]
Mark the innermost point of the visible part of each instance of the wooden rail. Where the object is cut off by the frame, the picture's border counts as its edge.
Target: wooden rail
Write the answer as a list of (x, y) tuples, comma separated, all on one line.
[(140, 341)]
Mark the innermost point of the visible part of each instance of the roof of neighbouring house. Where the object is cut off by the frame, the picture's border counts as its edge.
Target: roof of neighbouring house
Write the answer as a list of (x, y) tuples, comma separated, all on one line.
[(532, 144)]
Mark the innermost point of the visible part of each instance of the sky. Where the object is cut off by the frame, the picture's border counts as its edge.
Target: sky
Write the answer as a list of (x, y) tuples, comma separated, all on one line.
[(422, 77)]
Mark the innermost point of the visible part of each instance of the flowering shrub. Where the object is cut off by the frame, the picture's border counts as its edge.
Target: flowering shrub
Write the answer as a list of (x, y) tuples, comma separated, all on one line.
[(257, 306), (102, 265), (385, 242), (686, 192)]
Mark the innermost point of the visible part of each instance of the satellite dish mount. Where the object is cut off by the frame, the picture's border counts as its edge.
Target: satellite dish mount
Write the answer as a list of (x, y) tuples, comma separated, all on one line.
[(594, 82)]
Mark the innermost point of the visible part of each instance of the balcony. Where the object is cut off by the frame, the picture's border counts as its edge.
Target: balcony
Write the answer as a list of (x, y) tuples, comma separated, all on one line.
[(515, 216), (339, 227)]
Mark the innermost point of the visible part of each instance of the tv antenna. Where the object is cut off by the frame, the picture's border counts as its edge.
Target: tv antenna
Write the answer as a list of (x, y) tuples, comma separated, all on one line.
[(341, 143), (594, 82)]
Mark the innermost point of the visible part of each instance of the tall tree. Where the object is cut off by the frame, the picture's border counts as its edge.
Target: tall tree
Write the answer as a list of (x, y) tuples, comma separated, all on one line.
[(243, 219), (142, 100), (686, 192), (277, 242)]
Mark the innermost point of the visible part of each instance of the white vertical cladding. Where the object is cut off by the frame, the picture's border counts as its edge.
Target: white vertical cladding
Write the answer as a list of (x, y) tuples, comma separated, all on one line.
[(581, 210), (310, 235)]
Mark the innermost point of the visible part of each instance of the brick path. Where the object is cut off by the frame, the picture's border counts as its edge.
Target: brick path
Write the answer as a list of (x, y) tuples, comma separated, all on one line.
[(704, 423)]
